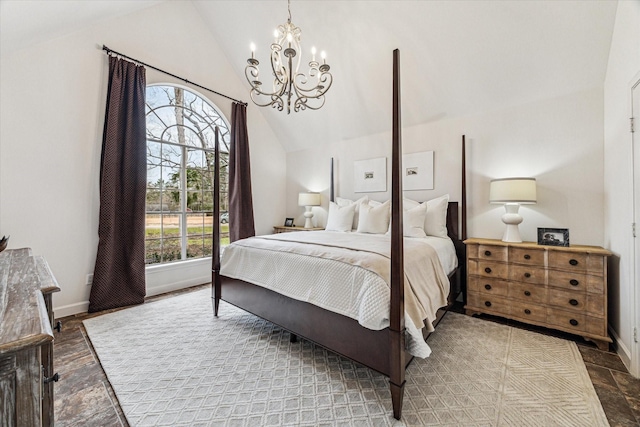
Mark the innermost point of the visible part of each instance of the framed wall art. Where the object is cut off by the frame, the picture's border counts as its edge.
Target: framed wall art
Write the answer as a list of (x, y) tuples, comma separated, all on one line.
[(370, 176), (418, 171)]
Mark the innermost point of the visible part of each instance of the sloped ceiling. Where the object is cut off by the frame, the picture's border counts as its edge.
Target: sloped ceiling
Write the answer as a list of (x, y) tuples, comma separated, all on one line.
[(457, 57)]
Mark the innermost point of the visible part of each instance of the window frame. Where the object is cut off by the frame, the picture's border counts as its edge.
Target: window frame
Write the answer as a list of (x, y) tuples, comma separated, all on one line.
[(183, 189)]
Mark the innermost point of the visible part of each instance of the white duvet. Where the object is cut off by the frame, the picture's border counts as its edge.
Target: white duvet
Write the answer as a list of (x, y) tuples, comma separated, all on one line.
[(349, 274)]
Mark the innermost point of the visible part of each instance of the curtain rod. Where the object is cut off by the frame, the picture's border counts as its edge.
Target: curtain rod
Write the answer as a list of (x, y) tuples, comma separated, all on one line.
[(109, 51)]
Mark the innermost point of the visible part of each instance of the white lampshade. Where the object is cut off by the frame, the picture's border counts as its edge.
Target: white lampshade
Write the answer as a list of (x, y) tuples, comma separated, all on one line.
[(309, 199), (513, 190)]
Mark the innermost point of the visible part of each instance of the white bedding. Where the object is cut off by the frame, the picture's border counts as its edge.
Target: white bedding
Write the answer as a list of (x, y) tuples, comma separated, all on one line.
[(349, 274)]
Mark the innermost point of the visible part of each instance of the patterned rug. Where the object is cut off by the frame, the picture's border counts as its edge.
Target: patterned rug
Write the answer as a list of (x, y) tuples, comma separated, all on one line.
[(171, 363)]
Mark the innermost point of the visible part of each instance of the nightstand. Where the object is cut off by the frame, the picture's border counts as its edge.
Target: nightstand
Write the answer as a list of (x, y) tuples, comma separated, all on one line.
[(563, 288), (282, 229)]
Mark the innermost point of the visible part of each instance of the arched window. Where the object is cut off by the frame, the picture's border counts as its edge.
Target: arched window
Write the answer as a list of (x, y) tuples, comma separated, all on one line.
[(180, 155)]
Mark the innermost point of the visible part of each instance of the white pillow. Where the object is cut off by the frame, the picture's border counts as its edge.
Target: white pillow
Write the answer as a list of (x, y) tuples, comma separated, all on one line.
[(436, 221), (374, 219), (413, 220), (346, 202), (340, 217)]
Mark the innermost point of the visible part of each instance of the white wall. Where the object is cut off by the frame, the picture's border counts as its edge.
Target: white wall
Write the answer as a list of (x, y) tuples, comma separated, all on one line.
[(558, 141), (52, 114), (623, 66)]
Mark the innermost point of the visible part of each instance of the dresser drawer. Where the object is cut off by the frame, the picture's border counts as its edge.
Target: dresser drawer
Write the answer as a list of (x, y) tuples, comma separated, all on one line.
[(526, 256), (590, 304), (595, 284), (492, 253), (568, 261), (527, 274), (568, 300), (528, 311), (568, 280), (489, 269), (566, 320), (489, 303), (597, 326), (596, 264), (527, 292), (488, 285)]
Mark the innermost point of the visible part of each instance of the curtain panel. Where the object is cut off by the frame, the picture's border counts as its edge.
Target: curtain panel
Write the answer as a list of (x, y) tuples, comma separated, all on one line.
[(119, 273), (241, 224)]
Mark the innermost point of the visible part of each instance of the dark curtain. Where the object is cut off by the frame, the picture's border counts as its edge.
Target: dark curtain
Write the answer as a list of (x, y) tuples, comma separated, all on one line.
[(240, 201), (119, 273)]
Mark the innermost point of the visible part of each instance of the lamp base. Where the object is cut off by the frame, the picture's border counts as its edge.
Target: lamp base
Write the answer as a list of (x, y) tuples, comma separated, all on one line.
[(308, 215), (511, 218)]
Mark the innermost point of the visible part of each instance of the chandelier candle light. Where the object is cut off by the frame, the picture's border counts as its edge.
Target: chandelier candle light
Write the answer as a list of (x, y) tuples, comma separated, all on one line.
[(288, 82), (512, 192)]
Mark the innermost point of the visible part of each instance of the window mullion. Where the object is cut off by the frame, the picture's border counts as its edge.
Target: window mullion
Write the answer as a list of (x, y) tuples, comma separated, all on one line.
[(183, 202)]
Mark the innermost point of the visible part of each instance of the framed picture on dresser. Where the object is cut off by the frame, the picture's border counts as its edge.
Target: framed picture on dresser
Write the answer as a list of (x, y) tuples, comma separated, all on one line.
[(553, 236), (288, 222)]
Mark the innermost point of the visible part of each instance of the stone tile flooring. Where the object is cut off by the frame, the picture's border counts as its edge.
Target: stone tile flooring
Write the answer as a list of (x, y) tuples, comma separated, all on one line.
[(83, 396)]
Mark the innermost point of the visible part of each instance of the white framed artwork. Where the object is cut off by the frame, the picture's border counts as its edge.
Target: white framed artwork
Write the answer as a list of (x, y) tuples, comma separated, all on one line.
[(370, 176), (418, 171)]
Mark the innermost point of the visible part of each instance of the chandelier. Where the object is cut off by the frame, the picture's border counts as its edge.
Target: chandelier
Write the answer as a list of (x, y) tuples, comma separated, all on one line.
[(307, 91)]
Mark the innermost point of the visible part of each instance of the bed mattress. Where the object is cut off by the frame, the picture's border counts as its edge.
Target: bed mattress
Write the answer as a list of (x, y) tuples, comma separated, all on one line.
[(349, 274)]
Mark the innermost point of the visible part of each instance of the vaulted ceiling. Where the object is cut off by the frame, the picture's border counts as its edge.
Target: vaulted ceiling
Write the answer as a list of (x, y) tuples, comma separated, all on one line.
[(457, 57)]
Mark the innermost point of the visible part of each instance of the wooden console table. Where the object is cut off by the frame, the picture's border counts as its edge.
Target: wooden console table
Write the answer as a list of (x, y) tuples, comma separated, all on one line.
[(26, 339)]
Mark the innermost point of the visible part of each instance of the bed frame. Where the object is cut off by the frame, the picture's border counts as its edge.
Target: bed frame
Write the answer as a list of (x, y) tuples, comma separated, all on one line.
[(383, 350)]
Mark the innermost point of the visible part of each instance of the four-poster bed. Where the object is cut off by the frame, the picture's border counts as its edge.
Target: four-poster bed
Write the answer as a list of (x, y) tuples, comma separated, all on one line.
[(383, 350)]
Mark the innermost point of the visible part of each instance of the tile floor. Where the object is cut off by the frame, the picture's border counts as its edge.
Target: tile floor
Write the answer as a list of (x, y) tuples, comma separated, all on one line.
[(83, 396)]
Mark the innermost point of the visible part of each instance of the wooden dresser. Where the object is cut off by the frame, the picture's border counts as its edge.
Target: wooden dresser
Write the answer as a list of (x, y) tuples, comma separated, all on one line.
[(282, 229), (26, 340), (563, 288)]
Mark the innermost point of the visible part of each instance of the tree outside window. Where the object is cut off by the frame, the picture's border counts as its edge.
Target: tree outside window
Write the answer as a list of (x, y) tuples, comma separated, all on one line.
[(180, 155)]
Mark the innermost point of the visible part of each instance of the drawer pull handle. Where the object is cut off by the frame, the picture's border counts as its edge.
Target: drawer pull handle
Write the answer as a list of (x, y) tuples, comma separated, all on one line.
[(487, 253), (574, 322), (53, 379), (527, 275), (527, 256), (527, 311), (487, 287), (574, 282), (573, 301), (487, 270), (573, 261), (487, 303), (527, 293)]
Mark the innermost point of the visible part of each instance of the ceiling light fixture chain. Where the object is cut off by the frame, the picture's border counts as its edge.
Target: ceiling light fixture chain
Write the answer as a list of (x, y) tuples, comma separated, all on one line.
[(307, 91)]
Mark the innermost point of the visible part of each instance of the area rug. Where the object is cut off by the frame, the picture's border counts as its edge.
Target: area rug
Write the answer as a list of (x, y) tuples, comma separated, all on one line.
[(172, 363)]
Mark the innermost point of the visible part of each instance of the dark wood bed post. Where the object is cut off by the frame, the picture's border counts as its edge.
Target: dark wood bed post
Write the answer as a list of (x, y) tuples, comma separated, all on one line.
[(332, 193), (396, 326), (215, 270), (463, 235)]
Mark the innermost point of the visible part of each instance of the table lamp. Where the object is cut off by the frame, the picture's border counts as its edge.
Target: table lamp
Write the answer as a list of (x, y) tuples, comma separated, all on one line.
[(308, 200), (512, 192)]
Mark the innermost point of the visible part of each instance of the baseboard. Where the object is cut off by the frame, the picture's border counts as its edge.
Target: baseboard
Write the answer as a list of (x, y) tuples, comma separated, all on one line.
[(162, 289), (71, 309), (621, 349)]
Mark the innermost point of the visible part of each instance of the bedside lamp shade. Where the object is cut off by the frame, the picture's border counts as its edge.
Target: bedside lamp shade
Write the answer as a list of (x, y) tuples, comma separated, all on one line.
[(512, 192), (308, 200)]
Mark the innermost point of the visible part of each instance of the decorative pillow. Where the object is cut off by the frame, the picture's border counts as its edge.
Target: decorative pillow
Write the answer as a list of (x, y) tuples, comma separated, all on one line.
[(374, 219), (340, 217), (436, 221), (413, 220), (346, 202)]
